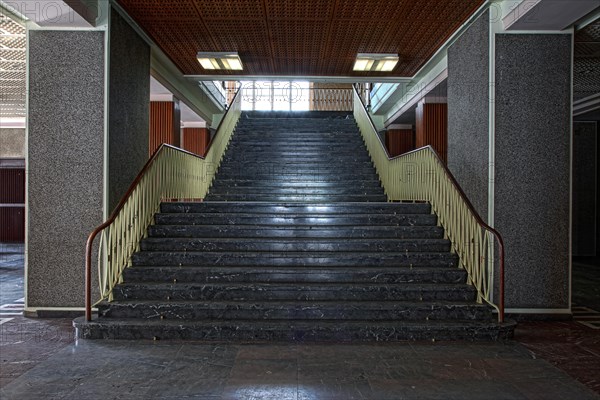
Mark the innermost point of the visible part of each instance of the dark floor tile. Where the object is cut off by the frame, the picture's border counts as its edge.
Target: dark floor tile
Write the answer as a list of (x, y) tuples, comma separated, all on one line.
[(443, 390), (185, 386), (265, 369), (554, 389), (523, 370), (334, 389), (258, 390)]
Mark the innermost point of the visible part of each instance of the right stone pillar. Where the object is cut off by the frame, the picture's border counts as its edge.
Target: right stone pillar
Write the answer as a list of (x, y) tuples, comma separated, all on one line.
[(509, 146)]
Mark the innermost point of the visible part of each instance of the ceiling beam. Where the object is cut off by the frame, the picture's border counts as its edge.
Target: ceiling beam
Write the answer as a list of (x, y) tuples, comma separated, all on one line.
[(331, 79)]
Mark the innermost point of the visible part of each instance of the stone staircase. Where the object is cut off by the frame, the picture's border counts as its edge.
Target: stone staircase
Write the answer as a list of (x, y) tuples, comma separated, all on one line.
[(295, 242)]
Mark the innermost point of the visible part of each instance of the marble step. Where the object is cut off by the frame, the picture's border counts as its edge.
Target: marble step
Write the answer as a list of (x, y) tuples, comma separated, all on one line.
[(288, 153), (294, 292), (321, 220), (346, 142), (294, 259), (370, 275), (271, 191), (283, 184), (294, 331), (297, 245), (301, 310), (259, 233), (331, 146), (278, 159), (271, 188), (275, 178), (308, 171), (298, 198), (295, 208), (292, 163)]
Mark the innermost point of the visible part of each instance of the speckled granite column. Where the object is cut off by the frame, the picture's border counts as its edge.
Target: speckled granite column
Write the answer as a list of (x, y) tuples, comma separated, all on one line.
[(532, 164), (65, 161), (129, 108), (532, 145), (468, 112), (585, 164)]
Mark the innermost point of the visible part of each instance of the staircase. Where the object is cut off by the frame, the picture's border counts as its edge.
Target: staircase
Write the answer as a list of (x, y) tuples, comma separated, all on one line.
[(295, 242)]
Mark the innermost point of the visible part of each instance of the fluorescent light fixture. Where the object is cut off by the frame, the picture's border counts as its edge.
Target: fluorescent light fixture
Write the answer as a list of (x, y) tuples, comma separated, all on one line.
[(366, 62), (217, 60)]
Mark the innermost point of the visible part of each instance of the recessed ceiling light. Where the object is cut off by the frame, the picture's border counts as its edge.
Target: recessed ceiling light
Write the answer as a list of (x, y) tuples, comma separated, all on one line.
[(375, 62), (220, 60)]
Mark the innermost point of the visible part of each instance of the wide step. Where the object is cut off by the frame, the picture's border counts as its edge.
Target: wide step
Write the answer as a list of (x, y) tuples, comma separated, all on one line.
[(294, 331)]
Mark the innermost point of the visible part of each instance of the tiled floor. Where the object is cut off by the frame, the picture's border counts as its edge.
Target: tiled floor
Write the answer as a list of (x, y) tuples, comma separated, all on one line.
[(39, 359)]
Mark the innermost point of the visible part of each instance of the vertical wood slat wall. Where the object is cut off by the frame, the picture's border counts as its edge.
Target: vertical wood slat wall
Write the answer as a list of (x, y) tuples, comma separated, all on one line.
[(165, 124), (399, 141), (432, 127), (195, 140), (12, 205)]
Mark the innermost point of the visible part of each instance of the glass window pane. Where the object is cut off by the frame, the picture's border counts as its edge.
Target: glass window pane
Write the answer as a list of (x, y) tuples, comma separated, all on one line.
[(247, 95), (299, 96), (281, 97), (262, 95)]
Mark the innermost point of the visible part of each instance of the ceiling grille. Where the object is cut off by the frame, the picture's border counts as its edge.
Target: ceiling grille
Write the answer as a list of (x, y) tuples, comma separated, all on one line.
[(301, 37)]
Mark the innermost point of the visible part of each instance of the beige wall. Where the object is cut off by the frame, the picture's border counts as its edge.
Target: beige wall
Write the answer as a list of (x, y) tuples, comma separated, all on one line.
[(12, 143)]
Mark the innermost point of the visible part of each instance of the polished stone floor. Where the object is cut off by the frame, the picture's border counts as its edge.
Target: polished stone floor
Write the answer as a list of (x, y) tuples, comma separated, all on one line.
[(40, 359)]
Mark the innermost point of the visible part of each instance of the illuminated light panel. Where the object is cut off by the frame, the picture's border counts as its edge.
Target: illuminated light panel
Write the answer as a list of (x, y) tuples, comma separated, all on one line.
[(366, 62), (217, 60)]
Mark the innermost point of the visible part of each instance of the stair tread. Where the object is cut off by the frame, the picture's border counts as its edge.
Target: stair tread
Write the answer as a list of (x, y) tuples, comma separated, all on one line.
[(303, 303), (324, 285), (458, 324)]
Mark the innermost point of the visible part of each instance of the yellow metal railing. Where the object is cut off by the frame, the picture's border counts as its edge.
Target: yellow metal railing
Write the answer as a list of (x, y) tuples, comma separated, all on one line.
[(420, 175), (170, 174)]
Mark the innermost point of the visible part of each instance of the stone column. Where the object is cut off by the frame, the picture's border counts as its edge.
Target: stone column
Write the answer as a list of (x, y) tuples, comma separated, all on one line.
[(509, 133), (87, 140)]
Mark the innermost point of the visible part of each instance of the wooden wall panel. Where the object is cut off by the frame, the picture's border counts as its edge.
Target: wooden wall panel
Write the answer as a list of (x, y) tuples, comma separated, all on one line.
[(399, 141), (195, 140), (165, 124), (432, 127), (12, 185), (12, 204)]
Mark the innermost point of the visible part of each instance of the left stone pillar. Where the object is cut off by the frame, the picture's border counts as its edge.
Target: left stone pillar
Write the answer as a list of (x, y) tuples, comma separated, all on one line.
[(87, 138)]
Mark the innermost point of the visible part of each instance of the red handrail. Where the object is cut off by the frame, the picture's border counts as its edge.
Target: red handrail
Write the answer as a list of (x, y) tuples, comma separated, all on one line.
[(467, 202)]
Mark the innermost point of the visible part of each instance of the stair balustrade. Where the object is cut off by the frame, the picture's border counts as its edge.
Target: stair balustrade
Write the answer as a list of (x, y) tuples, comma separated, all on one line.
[(171, 173), (420, 175)]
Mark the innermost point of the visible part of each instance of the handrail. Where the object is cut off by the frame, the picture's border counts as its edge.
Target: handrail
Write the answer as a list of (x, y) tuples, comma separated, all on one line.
[(170, 173), (364, 106), (431, 180)]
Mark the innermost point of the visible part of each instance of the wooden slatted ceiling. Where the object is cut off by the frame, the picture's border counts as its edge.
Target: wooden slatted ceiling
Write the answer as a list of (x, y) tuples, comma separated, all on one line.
[(303, 37)]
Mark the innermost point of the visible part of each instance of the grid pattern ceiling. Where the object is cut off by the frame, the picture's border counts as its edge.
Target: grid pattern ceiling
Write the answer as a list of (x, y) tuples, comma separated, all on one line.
[(12, 68), (306, 37), (586, 67)]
